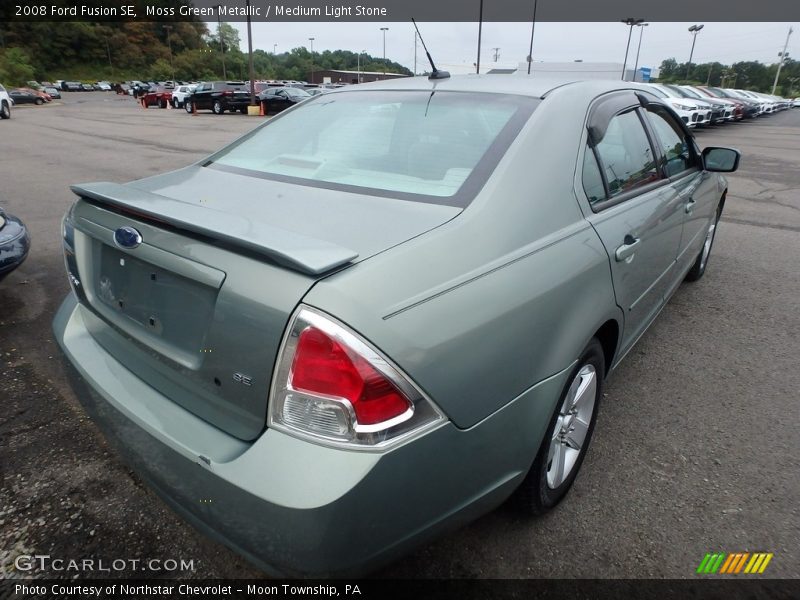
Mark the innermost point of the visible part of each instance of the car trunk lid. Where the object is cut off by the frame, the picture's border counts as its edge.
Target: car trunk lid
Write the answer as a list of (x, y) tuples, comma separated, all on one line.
[(199, 307)]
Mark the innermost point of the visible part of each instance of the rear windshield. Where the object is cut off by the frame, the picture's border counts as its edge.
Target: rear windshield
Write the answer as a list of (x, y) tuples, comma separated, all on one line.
[(425, 146)]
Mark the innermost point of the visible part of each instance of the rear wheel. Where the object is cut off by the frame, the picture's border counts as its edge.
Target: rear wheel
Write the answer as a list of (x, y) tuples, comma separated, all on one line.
[(162, 103), (175, 103), (5, 110), (188, 106), (39, 102), (567, 437), (217, 108), (699, 266)]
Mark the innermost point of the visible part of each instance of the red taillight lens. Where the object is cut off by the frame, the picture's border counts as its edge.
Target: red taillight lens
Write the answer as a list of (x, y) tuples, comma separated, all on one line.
[(323, 366), (331, 385)]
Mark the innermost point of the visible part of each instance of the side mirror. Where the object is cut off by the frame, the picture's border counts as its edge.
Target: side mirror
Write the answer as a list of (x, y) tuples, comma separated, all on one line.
[(722, 160)]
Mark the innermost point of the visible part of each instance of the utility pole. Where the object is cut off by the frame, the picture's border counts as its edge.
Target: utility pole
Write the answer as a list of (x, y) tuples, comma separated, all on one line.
[(250, 57), (168, 28), (496, 53), (384, 30), (221, 42), (110, 64), (783, 58)]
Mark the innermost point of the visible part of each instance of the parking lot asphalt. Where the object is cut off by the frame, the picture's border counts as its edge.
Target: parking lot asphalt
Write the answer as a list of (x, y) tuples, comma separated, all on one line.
[(696, 448)]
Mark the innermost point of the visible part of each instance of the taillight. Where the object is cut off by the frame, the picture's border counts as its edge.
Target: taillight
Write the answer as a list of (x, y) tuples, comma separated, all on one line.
[(331, 385)]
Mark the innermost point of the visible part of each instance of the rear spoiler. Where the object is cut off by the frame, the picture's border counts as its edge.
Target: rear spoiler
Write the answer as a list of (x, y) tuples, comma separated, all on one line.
[(290, 249)]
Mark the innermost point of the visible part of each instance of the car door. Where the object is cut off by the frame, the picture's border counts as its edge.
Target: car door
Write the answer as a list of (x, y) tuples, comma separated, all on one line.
[(202, 96), (634, 210), (697, 192)]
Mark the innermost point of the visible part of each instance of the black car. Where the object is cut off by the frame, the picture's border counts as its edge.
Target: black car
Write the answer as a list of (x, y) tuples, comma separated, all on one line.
[(14, 243), (71, 86), (54, 93), (23, 97), (87, 87), (277, 99), (219, 96)]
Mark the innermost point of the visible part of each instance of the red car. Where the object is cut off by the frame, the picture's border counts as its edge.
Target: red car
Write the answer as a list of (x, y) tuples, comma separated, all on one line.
[(160, 97)]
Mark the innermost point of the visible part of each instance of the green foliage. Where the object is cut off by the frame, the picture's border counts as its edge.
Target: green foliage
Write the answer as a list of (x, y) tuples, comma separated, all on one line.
[(15, 67), (750, 75), (118, 51)]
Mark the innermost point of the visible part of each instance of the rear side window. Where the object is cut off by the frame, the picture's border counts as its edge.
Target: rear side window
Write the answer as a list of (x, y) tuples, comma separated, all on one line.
[(678, 153), (625, 155)]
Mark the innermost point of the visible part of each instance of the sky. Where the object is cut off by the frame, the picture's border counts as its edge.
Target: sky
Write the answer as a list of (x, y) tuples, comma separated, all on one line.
[(454, 45)]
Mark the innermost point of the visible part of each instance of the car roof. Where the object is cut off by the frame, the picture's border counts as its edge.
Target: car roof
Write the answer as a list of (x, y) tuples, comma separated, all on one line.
[(527, 85)]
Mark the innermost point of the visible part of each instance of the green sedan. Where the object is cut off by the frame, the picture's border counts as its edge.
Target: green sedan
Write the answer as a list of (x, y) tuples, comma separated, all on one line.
[(385, 311)]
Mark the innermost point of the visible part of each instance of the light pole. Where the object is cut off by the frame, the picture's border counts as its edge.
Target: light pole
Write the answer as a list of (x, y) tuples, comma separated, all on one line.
[(630, 22), (783, 59), (274, 49), (384, 30), (312, 58), (221, 43), (480, 32), (694, 29), (250, 57), (168, 28), (641, 27), (359, 65)]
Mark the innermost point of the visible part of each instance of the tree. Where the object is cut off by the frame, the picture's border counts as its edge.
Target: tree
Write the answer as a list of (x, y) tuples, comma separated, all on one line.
[(230, 37), (15, 67)]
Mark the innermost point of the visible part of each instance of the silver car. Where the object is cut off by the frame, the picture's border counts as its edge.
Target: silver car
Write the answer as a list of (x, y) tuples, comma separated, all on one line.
[(384, 311)]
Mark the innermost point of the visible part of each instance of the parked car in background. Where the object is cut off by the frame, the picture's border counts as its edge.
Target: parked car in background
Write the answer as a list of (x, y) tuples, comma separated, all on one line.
[(180, 93), (702, 111), (737, 106), (687, 111), (15, 241), (403, 333), (87, 87), (720, 112), (219, 97), (37, 92), (25, 97), (71, 86), (5, 103), (103, 86), (796, 103), (122, 89), (749, 108), (53, 92), (279, 99), (157, 96)]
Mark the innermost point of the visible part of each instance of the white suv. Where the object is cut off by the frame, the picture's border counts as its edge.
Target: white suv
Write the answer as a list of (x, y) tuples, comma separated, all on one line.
[(5, 104), (180, 93)]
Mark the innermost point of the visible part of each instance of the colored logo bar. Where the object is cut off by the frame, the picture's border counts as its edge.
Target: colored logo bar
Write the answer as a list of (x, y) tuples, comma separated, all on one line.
[(722, 563)]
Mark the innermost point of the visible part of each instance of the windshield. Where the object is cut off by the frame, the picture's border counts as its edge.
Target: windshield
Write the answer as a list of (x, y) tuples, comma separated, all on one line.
[(297, 93), (417, 145)]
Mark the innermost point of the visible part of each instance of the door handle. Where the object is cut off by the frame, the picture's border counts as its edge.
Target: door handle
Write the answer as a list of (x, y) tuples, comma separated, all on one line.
[(627, 250), (690, 206)]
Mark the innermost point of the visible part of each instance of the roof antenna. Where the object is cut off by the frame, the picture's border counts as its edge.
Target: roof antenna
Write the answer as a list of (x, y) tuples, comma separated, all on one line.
[(435, 73)]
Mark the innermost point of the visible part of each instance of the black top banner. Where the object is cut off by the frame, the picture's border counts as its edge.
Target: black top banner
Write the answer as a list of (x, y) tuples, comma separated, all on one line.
[(398, 10)]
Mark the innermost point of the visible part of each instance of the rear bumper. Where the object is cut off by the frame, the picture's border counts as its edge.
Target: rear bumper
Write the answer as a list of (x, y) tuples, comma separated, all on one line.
[(13, 247), (296, 508)]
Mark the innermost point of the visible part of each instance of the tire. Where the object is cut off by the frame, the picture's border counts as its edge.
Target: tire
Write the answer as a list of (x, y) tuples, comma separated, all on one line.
[(701, 263), (175, 103), (188, 106), (38, 102), (5, 111), (162, 103), (218, 108), (243, 110), (545, 486)]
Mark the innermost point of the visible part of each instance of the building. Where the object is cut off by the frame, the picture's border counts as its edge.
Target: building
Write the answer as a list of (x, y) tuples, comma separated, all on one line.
[(587, 70), (336, 76)]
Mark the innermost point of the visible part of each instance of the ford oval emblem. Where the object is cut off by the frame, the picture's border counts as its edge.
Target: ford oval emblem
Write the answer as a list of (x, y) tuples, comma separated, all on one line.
[(127, 237)]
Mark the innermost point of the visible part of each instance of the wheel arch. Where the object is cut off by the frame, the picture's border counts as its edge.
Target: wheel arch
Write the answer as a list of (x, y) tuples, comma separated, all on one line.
[(608, 336)]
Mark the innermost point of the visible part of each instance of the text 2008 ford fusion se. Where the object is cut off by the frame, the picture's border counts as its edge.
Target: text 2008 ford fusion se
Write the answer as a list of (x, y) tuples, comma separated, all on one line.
[(386, 309)]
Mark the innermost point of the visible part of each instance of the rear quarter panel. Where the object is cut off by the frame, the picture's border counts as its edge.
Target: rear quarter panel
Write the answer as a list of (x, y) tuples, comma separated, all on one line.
[(502, 297)]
